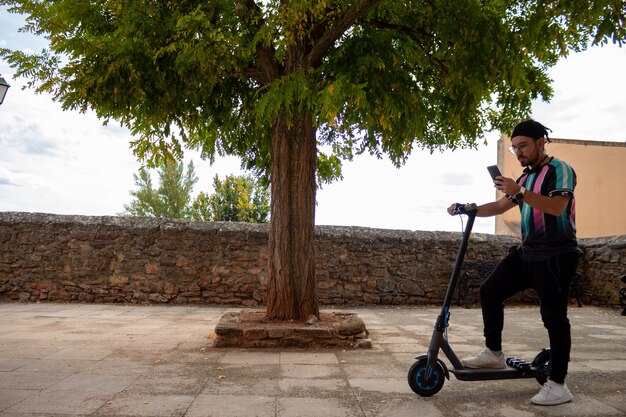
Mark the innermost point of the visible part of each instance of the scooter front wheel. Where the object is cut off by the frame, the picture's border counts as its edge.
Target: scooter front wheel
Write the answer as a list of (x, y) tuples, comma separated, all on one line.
[(420, 384)]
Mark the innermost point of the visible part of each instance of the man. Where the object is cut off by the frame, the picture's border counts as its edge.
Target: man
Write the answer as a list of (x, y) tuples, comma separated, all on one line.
[(546, 260)]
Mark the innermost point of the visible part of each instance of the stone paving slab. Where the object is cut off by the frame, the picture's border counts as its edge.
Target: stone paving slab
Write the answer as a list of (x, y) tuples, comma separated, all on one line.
[(118, 360)]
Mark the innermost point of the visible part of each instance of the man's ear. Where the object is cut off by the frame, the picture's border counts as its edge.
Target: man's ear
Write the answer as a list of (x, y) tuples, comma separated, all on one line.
[(541, 142)]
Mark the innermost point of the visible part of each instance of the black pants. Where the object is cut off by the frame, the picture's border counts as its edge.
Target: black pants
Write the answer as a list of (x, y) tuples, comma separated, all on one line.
[(551, 280)]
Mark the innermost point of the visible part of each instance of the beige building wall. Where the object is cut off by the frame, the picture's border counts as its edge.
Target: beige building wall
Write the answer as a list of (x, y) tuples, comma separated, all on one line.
[(600, 191)]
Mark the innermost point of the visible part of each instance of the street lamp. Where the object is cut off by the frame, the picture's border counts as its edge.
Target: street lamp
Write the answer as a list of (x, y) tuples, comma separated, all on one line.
[(3, 89)]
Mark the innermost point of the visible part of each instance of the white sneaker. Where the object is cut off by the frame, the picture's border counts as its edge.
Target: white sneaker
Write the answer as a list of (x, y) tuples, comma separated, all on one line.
[(486, 358), (552, 393)]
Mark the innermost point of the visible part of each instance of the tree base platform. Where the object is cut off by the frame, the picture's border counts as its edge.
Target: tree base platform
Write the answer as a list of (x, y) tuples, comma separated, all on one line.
[(250, 329)]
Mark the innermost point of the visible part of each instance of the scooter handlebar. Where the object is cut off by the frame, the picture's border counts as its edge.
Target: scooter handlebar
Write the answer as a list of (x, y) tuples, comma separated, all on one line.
[(464, 209)]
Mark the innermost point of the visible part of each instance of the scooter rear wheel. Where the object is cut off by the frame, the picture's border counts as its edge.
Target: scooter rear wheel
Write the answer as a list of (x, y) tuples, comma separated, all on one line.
[(420, 384)]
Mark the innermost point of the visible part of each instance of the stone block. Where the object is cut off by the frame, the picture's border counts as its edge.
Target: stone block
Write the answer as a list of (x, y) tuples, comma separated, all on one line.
[(277, 333), (314, 333), (151, 268), (42, 285), (228, 329), (118, 280), (371, 299), (255, 333), (86, 298), (170, 289), (58, 295), (351, 325), (326, 284)]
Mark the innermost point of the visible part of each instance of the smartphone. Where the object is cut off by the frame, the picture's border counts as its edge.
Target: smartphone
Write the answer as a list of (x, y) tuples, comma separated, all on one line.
[(494, 171)]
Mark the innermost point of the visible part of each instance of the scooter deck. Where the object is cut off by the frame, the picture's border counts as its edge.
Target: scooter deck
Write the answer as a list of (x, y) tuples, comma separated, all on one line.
[(471, 374)]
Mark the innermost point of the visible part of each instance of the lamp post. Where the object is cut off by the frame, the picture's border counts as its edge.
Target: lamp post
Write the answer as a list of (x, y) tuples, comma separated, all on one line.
[(3, 89)]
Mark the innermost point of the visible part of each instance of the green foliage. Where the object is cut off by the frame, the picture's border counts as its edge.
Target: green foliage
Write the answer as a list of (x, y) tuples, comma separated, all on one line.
[(236, 199), (379, 76), (173, 197)]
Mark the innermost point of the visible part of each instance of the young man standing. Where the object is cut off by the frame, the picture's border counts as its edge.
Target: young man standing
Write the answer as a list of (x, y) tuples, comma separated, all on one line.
[(546, 260)]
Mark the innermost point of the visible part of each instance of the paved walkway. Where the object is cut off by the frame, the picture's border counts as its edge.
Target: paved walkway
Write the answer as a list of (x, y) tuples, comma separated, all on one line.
[(112, 360)]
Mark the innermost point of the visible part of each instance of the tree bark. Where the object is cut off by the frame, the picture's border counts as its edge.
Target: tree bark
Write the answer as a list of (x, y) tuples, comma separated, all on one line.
[(291, 292)]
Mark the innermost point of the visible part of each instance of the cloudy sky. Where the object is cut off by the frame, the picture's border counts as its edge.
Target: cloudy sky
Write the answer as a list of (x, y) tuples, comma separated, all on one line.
[(68, 163)]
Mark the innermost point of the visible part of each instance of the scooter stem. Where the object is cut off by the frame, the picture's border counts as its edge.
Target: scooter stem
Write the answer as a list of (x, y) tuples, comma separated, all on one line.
[(437, 340), (471, 215)]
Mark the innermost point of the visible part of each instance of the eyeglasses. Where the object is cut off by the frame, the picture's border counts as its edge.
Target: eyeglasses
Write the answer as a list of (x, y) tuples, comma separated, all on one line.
[(519, 148)]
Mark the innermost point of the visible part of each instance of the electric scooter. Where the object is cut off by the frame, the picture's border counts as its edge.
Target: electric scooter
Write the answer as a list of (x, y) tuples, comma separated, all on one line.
[(427, 375)]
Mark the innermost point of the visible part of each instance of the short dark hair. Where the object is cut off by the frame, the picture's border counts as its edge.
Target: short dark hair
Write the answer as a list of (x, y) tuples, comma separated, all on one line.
[(532, 129)]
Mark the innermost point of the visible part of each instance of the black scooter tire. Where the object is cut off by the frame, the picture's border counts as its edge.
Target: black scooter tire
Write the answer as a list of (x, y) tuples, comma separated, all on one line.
[(418, 382)]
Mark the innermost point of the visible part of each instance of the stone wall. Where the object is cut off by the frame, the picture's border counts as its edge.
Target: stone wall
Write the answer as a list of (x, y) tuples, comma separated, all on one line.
[(145, 260), (602, 265)]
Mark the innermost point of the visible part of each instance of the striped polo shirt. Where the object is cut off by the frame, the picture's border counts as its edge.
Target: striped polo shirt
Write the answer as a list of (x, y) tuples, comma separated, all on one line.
[(545, 235)]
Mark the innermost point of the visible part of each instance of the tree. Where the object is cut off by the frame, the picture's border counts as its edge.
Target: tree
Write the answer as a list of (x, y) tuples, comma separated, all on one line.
[(173, 197), (295, 87), (236, 199)]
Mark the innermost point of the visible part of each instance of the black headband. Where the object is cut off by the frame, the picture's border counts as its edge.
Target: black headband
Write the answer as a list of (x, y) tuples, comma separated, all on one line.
[(531, 129)]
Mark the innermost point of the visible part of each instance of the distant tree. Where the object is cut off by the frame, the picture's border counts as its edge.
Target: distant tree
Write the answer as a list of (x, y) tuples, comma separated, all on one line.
[(172, 199), (200, 209), (236, 199)]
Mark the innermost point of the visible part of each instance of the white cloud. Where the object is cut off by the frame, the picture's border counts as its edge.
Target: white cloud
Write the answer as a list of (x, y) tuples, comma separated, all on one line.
[(588, 101), (7, 177), (27, 138)]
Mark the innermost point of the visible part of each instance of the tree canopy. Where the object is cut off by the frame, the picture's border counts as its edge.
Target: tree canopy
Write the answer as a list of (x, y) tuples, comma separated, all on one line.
[(379, 76)]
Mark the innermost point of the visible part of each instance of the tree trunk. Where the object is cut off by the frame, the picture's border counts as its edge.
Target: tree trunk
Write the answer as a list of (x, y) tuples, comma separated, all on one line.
[(291, 293)]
